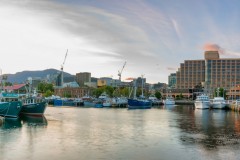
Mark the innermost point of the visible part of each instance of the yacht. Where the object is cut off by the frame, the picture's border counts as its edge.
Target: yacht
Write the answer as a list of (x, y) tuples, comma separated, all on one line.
[(202, 102), (219, 103), (169, 101)]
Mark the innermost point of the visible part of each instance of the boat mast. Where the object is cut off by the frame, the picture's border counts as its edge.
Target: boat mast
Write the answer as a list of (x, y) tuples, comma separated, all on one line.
[(135, 89), (142, 85)]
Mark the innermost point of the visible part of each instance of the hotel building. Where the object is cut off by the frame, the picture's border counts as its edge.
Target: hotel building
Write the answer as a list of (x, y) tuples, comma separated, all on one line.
[(211, 73)]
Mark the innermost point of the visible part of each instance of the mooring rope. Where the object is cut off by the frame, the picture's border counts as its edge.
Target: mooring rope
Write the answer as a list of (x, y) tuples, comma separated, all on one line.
[(7, 109)]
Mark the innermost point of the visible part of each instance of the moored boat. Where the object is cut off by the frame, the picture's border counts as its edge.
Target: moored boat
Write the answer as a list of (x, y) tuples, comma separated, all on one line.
[(33, 106), (218, 103), (169, 101), (154, 100), (138, 103), (93, 103), (33, 103), (10, 106), (202, 102), (119, 102)]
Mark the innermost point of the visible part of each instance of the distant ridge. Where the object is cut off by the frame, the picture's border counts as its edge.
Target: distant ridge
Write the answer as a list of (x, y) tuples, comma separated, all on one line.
[(21, 77)]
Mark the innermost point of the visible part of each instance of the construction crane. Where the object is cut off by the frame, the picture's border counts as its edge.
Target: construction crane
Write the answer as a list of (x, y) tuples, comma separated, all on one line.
[(62, 68), (120, 72)]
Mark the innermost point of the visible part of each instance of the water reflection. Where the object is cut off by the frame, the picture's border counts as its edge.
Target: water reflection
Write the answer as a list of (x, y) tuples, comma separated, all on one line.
[(11, 123), (34, 120), (169, 107), (209, 128)]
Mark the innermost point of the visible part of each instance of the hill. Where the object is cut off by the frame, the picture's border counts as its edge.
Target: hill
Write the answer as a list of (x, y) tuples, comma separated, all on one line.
[(21, 77)]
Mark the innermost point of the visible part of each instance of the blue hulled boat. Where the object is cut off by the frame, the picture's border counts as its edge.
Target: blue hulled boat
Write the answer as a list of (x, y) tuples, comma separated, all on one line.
[(138, 103)]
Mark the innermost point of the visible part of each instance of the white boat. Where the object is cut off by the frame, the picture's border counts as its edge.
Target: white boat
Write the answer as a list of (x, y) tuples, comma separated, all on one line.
[(169, 101), (219, 103), (119, 102), (202, 102), (107, 102), (103, 96), (153, 99)]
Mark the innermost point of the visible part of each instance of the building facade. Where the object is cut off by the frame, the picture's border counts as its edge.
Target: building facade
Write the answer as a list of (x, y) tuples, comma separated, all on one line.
[(172, 79), (83, 77), (210, 73), (73, 92)]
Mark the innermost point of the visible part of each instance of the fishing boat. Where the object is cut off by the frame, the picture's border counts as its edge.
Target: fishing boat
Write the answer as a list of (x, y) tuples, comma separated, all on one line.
[(140, 102), (32, 103), (202, 102), (33, 106), (10, 106)]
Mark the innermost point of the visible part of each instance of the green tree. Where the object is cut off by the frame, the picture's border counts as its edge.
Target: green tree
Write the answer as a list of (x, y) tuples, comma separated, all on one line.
[(48, 93), (108, 89), (181, 96), (125, 92), (177, 97), (158, 95), (45, 88), (219, 92)]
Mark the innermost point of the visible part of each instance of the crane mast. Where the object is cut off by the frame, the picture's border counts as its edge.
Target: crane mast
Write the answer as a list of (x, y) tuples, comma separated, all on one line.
[(62, 68), (120, 72)]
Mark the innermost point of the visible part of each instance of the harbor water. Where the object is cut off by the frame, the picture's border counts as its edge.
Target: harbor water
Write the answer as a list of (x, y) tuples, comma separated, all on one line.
[(165, 133)]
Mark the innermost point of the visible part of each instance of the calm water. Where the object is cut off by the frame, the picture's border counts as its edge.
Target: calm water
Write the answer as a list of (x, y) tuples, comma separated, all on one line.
[(178, 132)]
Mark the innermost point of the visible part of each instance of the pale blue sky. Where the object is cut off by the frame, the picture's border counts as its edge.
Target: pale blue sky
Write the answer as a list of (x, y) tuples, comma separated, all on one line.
[(153, 36)]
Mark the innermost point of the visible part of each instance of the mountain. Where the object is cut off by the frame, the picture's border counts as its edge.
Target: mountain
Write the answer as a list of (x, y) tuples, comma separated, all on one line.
[(21, 77)]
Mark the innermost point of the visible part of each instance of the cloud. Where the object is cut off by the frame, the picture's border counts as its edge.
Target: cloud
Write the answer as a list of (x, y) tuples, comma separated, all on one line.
[(221, 51), (211, 47), (171, 69), (87, 31)]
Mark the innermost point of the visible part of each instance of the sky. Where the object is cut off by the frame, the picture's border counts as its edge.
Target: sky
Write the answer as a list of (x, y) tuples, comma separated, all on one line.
[(152, 36)]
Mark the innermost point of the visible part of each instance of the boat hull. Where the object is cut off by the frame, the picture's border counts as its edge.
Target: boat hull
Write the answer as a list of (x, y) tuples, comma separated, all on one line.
[(10, 109), (202, 105), (219, 105), (166, 102), (93, 104), (37, 109), (137, 104)]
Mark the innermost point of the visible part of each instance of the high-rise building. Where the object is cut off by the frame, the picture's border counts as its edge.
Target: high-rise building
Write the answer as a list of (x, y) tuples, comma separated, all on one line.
[(83, 77), (211, 73), (172, 80)]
